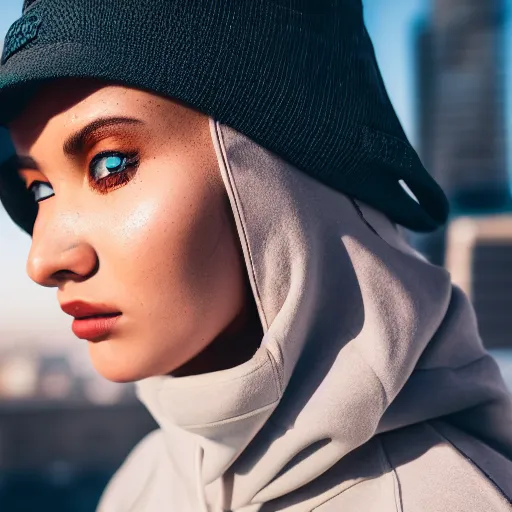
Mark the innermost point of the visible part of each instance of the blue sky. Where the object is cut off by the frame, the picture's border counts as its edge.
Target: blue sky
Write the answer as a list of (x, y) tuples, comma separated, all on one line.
[(390, 23)]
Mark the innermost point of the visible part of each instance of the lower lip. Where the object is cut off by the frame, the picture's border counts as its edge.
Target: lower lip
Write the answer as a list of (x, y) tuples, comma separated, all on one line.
[(93, 327)]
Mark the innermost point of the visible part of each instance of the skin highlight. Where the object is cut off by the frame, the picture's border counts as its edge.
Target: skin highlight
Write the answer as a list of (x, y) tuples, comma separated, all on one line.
[(154, 239)]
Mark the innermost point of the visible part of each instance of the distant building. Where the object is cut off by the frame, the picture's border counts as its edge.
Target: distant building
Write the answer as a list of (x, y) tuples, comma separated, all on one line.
[(56, 380), (479, 259), (18, 377), (31, 376), (425, 82), (433, 244), (460, 86), (468, 150), (37, 435)]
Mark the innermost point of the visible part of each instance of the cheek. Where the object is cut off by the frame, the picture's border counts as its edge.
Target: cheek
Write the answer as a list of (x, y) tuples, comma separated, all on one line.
[(176, 256)]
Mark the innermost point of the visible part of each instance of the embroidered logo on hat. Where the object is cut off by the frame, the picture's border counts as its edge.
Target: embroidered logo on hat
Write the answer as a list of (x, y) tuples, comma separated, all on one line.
[(21, 32)]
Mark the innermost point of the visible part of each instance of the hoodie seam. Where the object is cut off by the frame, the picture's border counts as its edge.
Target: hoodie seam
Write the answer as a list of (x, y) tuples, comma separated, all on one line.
[(383, 389), (473, 463), (248, 414), (338, 494), (241, 216), (385, 467), (363, 218), (265, 361), (453, 368), (200, 426), (198, 466), (397, 488), (275, 369)]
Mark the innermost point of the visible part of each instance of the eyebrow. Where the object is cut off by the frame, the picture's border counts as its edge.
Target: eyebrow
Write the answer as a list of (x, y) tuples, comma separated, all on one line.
[(75, 144)]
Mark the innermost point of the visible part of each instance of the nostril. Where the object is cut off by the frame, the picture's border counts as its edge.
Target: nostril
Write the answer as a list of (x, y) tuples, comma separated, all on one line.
[(61, 275)]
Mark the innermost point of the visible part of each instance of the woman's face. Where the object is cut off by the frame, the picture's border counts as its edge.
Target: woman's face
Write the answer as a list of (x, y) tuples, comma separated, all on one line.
[(134, 218)]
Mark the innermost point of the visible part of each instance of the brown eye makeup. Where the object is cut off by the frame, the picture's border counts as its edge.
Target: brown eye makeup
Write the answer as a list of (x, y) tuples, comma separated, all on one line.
[(109, 170)]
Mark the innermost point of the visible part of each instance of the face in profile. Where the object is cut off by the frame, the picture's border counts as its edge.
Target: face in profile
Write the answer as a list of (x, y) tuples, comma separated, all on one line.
[(134, 229)]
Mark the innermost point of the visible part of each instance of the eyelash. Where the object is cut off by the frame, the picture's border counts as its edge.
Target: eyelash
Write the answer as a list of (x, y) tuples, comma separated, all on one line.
[(110, 182), (115, 180)]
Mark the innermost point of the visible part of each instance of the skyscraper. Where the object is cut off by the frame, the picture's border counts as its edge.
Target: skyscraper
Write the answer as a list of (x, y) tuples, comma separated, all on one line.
[(468, 148), (460, 85)]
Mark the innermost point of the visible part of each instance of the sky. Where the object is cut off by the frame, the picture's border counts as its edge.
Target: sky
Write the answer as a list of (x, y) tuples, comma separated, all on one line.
[(29, 312)]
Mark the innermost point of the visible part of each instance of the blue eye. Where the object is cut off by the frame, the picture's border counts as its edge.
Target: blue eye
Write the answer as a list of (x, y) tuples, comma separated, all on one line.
[(105, 164), (41, 190)]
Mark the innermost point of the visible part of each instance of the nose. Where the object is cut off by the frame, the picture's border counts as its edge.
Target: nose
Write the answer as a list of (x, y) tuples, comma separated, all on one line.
[(51, 263)]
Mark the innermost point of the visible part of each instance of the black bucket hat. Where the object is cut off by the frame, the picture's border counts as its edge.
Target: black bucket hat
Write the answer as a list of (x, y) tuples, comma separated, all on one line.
[(299, 77)]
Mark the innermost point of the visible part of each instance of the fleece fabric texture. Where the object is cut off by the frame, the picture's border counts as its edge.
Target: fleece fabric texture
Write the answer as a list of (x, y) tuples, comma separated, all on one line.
[(371, 390), (297, 76)]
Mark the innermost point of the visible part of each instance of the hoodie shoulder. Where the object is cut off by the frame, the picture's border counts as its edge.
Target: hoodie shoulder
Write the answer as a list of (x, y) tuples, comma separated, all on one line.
[(432, 466), (440, 467), (131, 483)]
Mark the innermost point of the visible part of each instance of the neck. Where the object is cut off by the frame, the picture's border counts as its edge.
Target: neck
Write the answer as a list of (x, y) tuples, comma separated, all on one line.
[(232, 347)]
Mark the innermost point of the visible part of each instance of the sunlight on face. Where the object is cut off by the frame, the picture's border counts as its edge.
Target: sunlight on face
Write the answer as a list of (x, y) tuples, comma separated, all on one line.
[(133, 217)]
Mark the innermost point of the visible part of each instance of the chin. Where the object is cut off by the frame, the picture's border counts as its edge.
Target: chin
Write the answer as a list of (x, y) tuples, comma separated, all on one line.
[(118, 365)]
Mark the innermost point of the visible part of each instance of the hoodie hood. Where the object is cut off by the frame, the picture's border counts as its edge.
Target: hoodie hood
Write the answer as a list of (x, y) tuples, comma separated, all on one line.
[(361, 336)]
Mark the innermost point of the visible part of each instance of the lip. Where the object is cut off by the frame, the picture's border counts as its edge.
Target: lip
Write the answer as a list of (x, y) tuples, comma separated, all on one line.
[(94, 327), (80, 309), (91, 321)]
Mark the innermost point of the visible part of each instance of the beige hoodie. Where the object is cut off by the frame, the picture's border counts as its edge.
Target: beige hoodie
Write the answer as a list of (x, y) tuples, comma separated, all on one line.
[(371, 390)]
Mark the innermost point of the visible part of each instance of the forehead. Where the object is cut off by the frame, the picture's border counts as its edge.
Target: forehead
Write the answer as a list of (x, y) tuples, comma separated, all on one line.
[(69, 103)]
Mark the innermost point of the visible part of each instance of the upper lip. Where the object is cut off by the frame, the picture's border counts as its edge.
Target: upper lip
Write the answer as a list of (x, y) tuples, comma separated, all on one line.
[(80, 309)]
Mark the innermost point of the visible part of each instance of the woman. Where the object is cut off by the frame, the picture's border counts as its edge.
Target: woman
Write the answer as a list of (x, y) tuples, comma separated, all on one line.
[(214, 191)]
